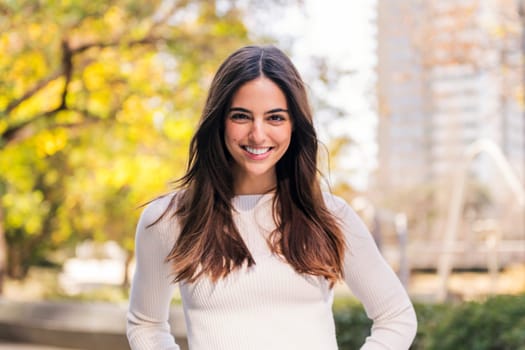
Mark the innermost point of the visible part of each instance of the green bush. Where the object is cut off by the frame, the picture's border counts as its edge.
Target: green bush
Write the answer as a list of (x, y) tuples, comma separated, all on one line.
[(352, 324), (429, 316), (495, 324)]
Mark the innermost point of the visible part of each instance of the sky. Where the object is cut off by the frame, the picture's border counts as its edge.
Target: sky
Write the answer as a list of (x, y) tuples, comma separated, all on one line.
[(344, 33)]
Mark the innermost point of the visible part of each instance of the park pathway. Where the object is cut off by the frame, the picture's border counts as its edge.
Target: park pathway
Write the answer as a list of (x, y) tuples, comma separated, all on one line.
[(24, 346)]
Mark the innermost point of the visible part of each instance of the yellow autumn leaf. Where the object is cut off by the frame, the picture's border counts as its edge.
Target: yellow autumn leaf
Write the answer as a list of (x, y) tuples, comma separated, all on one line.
[(100, 103), (28, 68), (114, 17), (34, 31), (45, 100), (3, 124), (32, 225), (179, 129), (120, 175), (4, 42), (134, 109), (21, 211), (50, 142), (93, 76), (61, 235)]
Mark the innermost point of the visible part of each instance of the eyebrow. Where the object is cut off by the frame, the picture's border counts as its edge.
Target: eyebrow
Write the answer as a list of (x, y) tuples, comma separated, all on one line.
[(275, 110)]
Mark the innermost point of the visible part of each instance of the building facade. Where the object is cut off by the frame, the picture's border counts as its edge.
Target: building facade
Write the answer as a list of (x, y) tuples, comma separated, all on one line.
[(449, 73)]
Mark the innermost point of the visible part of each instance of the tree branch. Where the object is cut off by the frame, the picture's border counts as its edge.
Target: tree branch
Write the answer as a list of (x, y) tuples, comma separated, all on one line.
[(146, 40), (67, 69), (16, 132), (176, 5), (87, 115), (20, 131), (39, 86), (67, 63)]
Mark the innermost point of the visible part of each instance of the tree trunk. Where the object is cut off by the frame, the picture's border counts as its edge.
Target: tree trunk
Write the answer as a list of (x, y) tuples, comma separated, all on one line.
[(14, 263), (127, 263), (3, 251)]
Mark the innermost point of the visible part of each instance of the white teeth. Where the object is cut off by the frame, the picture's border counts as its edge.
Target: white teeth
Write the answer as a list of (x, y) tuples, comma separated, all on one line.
[(257, 150)]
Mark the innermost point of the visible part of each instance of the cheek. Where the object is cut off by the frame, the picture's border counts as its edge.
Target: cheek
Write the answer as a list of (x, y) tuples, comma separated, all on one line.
[(289, 140), (230, 138), (286, 136), (235, 134), (230, 132)]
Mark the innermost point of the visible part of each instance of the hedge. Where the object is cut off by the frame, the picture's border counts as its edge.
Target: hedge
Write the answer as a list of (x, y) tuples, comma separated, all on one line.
[(498, 323)]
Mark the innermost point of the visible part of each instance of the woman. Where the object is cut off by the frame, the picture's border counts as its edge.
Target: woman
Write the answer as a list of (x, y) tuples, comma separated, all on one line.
[(253, 242)]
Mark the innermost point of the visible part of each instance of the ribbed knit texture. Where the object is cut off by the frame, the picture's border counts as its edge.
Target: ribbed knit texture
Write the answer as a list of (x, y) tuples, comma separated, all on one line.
[(268, 306)]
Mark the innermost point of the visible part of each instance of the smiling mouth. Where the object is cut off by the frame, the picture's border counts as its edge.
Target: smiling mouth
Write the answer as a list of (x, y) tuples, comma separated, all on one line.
[(257, 151)]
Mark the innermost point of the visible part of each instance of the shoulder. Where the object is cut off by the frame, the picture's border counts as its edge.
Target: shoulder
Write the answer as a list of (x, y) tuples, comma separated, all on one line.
[(156, 222), (335, 204), (158, 211), (350, 221)]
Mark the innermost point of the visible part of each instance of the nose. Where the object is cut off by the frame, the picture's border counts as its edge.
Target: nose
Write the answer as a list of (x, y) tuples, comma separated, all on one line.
[(257, 133)]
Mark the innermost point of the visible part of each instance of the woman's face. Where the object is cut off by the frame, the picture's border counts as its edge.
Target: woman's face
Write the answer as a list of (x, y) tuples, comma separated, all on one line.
[(258, 130)]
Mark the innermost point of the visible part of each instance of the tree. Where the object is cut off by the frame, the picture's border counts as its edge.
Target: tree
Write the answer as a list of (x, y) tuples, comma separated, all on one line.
[(98, 100)]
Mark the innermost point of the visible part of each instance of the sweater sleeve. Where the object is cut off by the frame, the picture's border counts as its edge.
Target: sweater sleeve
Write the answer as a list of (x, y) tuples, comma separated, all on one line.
[(151, 289), (376, 285)]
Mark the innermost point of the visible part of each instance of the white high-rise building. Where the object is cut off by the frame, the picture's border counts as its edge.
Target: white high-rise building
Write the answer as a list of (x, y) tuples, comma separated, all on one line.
[(449, 72)]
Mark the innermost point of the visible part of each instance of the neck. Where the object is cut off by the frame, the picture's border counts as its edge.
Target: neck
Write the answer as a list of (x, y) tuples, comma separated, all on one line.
[(239, 191), (256, 185)]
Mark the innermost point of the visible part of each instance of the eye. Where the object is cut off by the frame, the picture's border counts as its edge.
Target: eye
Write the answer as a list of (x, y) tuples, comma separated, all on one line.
[(276, 118), (239, 117)]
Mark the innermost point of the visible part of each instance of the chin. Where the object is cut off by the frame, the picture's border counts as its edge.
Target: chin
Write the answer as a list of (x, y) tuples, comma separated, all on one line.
[(255, 173)]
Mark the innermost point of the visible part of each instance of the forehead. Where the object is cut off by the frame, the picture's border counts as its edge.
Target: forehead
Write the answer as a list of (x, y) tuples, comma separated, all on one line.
[(259, 93)]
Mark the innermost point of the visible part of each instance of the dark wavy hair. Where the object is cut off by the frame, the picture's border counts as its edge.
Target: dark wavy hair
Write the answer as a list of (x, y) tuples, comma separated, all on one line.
[(306, 236)]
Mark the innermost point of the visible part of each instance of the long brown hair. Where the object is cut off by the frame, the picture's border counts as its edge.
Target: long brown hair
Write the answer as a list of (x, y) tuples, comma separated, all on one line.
[(307, 235)]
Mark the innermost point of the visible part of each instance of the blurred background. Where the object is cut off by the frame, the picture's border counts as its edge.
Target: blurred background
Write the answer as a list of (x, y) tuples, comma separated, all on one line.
[(419, 105)]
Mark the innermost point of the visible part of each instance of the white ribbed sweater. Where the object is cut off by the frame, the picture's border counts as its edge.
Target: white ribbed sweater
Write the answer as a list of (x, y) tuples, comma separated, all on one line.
[(268, 306)]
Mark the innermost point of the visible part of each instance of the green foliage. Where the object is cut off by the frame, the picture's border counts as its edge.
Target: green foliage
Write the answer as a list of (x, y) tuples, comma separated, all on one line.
[(352, 324), (496, 324), (429, 316), (98, 101)]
